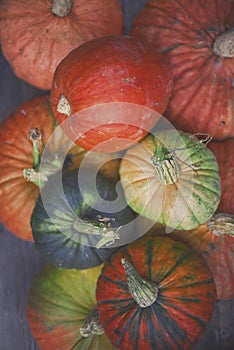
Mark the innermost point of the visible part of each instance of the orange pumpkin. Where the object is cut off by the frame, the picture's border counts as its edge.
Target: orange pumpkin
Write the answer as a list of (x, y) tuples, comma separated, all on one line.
[(223, 151), (197, 37), (214, 241), (20, 161), (36, 36)]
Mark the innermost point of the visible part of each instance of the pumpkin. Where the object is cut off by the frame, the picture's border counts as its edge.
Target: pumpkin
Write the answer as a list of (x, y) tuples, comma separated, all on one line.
[(214, 241), (155, 293), (61, 310), (24, 134), (78, 218), (36, 38), (223, 151), (197, 37), (107, 93), (172, 178)]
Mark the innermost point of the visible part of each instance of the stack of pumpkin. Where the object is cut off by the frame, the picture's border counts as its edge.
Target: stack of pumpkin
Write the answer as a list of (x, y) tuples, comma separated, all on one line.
[(132, 210)]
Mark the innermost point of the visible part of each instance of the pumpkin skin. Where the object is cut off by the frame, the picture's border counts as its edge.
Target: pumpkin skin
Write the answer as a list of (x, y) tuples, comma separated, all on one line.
[(223, 151), (68, 227), (34, 39), (185, 32), (178, 186), (214, 241), (94, 79), (58, 303), (17, 195), (183, 307)]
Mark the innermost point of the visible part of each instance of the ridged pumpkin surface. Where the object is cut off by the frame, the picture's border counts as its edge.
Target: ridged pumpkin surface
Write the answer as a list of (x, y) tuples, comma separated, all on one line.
[(171, 177), (214, 241), (57, 305), (17, 195), (34, 39), (184, 305), (185, 31), (223, 151)]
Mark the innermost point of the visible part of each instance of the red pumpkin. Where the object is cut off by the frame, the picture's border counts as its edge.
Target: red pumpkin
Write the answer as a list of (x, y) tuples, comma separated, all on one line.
[(35, 38), (196, 37), (214, 241), (155, 293), (223, 152), (20, 163), (110, 89)]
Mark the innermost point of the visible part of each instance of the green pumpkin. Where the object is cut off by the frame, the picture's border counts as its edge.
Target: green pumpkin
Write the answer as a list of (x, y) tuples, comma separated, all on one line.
[(71, 225), (172, 178), (61, 310)]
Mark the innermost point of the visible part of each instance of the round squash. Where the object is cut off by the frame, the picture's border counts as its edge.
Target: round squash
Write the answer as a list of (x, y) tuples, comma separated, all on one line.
[(36, 38), (214, 241), (198, 39), (106, 92), (25, 135), (155, 293), (79, 223), (61, 310), (223, 151), (172, 178)]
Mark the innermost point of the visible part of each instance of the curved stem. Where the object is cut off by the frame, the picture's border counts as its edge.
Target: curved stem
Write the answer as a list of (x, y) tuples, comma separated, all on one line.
[(224, 44), (144, 292), (61, 8), (39, 174), (92, 324)]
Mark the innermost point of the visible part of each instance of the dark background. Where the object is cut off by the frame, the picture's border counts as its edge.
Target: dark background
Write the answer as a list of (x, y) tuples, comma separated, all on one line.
[(20, 262)]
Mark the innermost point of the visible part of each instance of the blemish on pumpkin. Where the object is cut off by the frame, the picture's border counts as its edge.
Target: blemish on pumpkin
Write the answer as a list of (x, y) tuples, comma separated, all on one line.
[(22, 111)]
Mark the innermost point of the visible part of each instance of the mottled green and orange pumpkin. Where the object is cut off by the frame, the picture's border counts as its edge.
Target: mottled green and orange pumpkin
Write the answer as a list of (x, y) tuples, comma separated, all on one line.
[(155, 293), (61, 310)]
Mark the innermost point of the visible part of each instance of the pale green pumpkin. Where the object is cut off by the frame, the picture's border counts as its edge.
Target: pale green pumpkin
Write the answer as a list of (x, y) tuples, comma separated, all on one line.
[(172, 178)]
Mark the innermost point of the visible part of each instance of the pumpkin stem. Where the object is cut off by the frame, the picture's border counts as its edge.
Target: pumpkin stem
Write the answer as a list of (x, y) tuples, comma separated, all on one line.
[(92, 324), (221, 224), (38, 174), (107, 234), (61, 8), (64, 106), (35, 136), (165, 164), (144, 292), (224, 44)]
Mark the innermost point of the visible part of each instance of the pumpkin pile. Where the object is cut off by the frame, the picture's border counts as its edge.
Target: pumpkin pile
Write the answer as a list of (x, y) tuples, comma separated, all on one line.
[(122, 174)]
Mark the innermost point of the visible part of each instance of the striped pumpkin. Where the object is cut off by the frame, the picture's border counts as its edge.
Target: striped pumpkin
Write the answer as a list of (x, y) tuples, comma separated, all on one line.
[(172, 178), (155, 294)]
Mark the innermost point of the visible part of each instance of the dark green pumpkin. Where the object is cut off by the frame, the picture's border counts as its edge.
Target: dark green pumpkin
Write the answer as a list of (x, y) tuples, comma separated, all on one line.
[(71, 225), (155, 293)]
